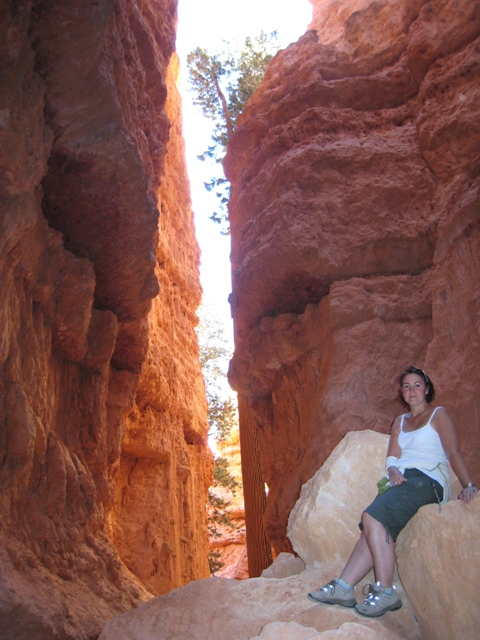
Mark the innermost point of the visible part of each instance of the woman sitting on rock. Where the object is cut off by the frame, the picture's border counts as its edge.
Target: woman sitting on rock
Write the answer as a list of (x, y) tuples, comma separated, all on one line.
[(421, 444)]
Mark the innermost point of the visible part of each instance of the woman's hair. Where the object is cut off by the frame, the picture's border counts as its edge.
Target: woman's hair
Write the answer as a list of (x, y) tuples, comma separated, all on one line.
[(430, 395)]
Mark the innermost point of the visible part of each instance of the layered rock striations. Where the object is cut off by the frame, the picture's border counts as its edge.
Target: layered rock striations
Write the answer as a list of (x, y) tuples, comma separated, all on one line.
[(355, 236), (103, 455)]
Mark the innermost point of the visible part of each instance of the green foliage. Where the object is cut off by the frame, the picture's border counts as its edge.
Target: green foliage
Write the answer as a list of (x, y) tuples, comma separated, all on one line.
[(222, 416), (222, 476), (215, 352), (218, 517), (250, 67), (222, 83), (214, 563)]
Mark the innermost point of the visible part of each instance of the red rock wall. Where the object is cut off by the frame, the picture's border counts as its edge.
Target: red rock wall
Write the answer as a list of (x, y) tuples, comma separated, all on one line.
[(100, 390), (356, 234), (159, 519)]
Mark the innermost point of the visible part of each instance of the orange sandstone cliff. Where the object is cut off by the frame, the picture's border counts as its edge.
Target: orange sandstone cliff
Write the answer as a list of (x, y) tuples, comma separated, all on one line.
[(355, 223), (104, 464)]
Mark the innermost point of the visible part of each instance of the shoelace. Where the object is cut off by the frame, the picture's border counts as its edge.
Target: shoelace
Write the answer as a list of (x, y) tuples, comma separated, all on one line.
[(371, 594), (330, 586)]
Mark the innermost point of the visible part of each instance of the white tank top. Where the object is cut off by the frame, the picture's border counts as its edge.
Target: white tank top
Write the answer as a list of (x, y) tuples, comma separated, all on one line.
[(422, 449)]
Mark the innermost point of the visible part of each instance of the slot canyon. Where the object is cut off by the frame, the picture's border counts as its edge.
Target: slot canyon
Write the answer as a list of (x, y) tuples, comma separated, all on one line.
[(355, 231)]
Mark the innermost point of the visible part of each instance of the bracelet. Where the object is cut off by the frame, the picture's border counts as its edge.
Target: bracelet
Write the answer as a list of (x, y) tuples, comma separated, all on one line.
[(470, 485)]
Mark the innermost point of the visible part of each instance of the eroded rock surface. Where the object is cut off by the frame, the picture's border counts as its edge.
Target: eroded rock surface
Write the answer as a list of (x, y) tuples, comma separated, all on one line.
[(355, 227), (158, 521), (98, 509), (218, 608), (438, 549), (436, 579), (346, 631)]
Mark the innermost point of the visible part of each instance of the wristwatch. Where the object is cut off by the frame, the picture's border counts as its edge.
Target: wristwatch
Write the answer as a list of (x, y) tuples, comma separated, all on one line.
[(469, 484)]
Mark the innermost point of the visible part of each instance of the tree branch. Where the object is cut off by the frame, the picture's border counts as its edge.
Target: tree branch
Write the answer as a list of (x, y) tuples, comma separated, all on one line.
[(226, 112)]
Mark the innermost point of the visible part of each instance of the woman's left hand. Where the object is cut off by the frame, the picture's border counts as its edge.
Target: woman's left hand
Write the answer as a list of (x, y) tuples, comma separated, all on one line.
[(466, 495)]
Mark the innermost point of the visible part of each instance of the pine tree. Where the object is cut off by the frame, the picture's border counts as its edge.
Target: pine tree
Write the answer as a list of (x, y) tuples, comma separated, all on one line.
[(222, 84)]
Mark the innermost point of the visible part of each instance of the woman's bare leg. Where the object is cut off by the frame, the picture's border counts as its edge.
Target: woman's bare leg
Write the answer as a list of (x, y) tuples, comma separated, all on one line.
[(359, 563), (372, 551), (382, 549)]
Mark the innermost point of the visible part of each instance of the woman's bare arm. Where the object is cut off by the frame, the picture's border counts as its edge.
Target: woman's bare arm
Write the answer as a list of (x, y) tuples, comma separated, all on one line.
[(448, 436), (394, 474)]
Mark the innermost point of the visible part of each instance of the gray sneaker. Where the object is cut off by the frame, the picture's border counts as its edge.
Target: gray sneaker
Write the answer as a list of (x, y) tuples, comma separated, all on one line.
[(378, 602), (334, 593)]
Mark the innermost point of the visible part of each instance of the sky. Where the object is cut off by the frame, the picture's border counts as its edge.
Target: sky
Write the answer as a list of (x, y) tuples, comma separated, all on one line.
[(207, 23)]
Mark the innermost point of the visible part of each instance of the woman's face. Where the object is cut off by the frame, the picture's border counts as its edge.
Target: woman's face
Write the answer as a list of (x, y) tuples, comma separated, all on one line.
[(414, 389)]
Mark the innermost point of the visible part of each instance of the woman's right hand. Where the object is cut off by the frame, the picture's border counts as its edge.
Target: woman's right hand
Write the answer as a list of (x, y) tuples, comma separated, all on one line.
[(395, 476)]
